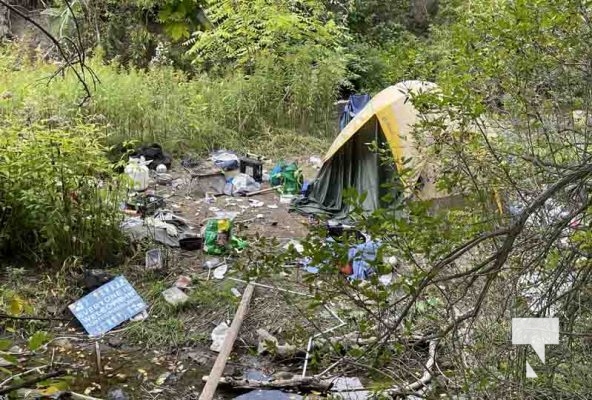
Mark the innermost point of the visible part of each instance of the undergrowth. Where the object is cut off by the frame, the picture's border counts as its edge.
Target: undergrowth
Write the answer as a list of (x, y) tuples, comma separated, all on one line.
[(244, 112), (59, 198)]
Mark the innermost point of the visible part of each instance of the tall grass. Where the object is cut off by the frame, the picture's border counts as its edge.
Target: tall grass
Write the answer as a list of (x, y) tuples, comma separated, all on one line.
[(293, 99)]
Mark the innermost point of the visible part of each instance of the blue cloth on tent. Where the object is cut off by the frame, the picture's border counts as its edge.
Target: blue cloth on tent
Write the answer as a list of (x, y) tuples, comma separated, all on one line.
[(354, 105)]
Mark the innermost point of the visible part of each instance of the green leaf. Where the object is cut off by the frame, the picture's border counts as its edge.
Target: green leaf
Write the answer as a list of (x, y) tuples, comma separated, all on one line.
[(16, 306), (38, 339), (5, 344), (177, 30)]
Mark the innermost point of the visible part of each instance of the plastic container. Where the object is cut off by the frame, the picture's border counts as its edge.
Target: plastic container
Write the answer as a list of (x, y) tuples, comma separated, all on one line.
[(153, 259), (139, 174), (252, 167)]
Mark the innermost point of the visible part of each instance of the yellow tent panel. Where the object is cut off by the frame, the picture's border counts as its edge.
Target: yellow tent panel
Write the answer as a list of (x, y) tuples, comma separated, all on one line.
[(396, 115)]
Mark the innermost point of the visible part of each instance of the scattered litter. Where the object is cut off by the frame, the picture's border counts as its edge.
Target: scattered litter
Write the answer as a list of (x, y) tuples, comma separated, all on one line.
[(260, 216), (256, 203), (138, 173), (164, 179), (154, 154), (161, 168), (225, 160), (108, 306), (214, 209), (386, 279), (220, 271), (218, 237), (170, 229), (349, 389), (286, 198), (296, 244), (316, 161), (241, 185), (183, 282), (218, 336), (153, 259), (252, 167), (210, 198), (269, 344), (175, 296), (360, 257), (162, 378), (311, 270), (140, 317), (212, 263), (235, 292), (272, 206), (231, 215)]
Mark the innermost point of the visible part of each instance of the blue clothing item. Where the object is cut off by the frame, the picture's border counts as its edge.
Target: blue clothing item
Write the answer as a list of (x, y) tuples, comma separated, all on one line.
[(360, 257), (354, 105)]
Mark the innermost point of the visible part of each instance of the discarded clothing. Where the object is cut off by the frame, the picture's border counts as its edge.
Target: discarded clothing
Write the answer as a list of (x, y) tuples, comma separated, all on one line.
[(361, 256), (153, 152), (137, 230)]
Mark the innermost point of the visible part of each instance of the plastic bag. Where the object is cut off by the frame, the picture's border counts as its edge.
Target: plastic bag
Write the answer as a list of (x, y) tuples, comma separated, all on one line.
[(225, 160), (243, 183)]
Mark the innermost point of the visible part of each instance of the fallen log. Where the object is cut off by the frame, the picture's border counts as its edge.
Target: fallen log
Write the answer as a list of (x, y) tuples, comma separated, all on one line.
[(216, 373), (300, 384)]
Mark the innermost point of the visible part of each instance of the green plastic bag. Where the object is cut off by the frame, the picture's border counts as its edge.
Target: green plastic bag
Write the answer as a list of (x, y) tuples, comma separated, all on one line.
[(289, 176), (218, 238)]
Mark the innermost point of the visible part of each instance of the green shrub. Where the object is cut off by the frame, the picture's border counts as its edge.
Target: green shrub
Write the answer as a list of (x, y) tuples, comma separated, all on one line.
[(58, 195), (163, 105)]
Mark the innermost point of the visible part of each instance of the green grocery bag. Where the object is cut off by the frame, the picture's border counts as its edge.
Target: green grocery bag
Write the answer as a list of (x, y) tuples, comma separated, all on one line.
[(218, 238)]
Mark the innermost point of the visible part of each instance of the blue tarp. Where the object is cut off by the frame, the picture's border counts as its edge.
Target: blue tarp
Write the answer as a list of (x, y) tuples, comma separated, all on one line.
[(354, 105)]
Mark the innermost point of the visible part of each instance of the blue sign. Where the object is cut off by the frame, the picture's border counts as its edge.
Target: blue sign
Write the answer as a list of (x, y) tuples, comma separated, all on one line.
[(108, 306)]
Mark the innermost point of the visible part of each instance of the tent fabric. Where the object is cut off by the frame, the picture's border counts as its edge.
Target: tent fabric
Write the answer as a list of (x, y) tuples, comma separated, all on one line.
[(354, 105), (354, 166), (387, 120)]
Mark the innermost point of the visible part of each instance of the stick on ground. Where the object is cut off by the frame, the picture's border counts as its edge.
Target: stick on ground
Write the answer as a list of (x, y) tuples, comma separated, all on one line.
[(216, 373)]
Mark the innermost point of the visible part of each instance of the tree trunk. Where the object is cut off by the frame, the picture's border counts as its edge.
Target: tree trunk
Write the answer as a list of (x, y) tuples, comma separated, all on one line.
[(4, 22)]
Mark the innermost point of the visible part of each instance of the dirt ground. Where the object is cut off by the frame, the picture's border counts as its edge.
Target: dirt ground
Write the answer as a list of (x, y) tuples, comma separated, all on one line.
[(166, 355)]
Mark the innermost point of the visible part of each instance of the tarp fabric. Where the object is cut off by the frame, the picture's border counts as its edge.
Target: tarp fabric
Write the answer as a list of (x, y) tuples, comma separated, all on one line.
[(354, 105), (354, 166)]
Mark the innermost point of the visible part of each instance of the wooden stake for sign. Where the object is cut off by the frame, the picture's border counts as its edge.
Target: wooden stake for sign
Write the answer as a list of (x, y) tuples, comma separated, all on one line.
[(216, 373)]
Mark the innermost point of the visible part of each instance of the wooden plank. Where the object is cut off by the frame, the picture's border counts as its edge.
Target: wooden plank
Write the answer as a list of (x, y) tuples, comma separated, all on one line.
[(216, 373)]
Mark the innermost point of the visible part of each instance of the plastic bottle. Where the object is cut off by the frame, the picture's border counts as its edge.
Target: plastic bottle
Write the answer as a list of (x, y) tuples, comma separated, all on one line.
[(138, 173)]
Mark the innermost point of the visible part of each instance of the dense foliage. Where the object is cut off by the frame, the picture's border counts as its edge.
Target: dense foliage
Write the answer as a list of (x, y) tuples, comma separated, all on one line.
[(511, 131), (58, 196)]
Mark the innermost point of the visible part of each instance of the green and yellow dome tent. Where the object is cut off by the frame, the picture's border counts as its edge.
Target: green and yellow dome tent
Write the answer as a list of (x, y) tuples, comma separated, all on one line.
[(353, 162)]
